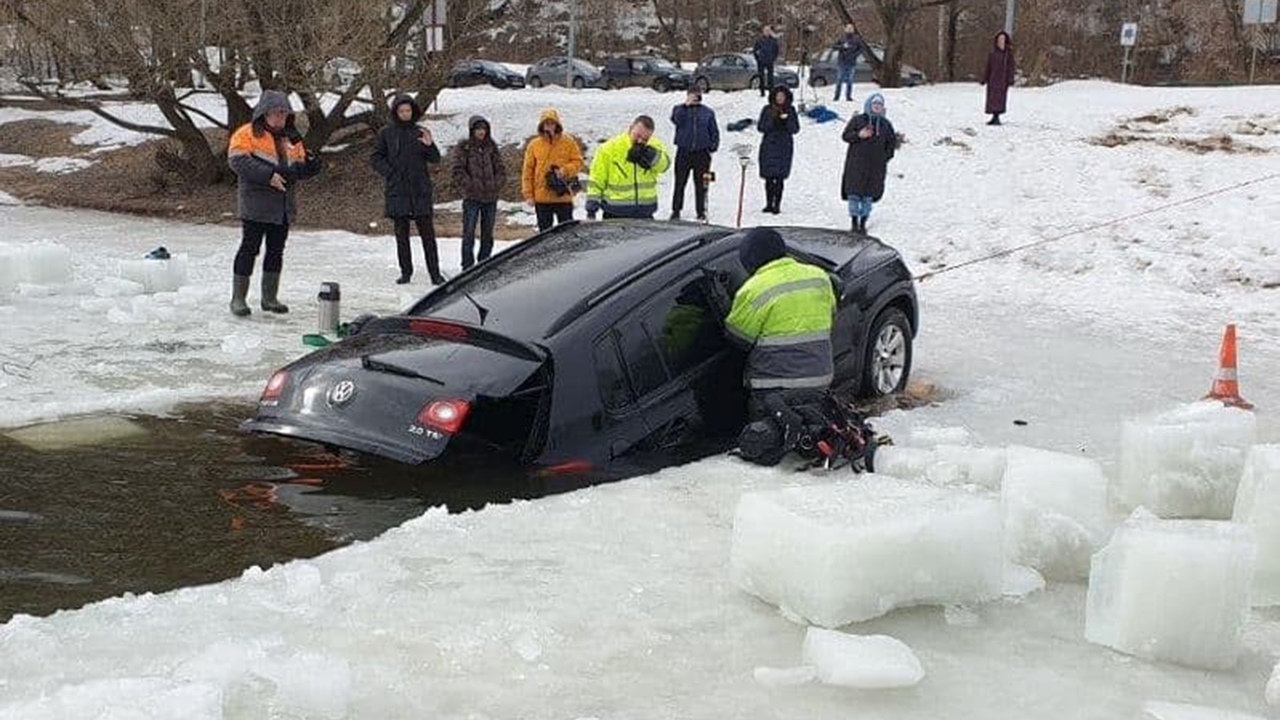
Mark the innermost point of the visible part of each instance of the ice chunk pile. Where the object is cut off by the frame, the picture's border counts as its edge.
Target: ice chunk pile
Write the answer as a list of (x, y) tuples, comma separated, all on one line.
[(1054, 510), (1273, 687), (1258, 506), (854, 550), (944, 464), (1175, 590), (1155, 710), (34, 264), (871, 662), (156, 275), (1185, 463), (123, 698)]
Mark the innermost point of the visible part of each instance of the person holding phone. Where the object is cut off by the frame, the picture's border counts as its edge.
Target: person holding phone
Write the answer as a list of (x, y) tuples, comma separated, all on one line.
[(778, 123), (697, 138), (402, 155)]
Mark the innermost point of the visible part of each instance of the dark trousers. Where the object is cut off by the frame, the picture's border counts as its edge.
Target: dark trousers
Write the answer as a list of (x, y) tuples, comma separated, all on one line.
[(773, 192), (550, 214), (484, 212), (697, 162), (404, 253), (766, 79), (253, 233)]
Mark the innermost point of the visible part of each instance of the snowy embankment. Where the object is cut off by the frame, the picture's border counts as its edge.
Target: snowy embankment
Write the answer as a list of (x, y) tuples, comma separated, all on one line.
[(617, 601)]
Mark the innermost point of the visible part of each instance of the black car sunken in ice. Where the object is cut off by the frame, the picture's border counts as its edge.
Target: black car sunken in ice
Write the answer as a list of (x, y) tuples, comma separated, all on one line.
[(582, 345)]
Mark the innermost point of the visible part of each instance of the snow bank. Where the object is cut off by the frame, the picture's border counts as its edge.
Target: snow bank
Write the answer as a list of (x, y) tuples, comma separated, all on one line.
[(125, 699), (1185, 463), (1156, 710), (42, 263), (871, 662), (1175, 590), (855, 550), (1258, 506), (156, 275), (1054, 511), (1273, 687)]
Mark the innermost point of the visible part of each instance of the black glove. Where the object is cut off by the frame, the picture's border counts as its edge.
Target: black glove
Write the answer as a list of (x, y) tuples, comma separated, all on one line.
[(634, 154), (648, 157)]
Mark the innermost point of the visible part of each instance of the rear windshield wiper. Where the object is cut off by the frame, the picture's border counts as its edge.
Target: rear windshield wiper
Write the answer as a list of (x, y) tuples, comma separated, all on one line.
[(369, 363)]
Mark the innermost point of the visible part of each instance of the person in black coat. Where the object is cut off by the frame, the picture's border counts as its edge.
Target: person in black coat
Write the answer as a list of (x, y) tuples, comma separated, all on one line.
[(872, 142), (778, 122), (401, 157), (766, 53)]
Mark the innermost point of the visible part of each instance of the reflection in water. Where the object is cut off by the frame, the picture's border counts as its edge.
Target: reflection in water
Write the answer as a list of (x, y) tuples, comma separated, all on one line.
[(193, 500)]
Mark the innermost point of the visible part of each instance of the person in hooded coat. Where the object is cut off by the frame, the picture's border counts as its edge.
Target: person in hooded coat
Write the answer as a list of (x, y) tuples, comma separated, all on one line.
[(998, 76), (401, 157), (268, 158), (778, 122), (478, 170), (872, 143), (549, 179)]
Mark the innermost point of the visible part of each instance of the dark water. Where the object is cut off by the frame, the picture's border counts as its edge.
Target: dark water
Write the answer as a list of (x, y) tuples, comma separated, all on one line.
[(193, 500)]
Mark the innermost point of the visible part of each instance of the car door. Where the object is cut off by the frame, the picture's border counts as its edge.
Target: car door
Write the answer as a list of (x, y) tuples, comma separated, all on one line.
[(639, 70), (719, 73), (620, 423), (743, 72)]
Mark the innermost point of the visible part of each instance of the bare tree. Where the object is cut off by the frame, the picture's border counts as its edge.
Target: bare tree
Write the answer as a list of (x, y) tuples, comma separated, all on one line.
[(896, 17)]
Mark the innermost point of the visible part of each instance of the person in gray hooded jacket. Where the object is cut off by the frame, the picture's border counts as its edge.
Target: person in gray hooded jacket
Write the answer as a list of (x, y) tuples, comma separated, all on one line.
[(268, 158)]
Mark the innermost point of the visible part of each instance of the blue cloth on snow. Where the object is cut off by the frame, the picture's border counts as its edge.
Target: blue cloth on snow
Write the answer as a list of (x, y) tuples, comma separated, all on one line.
[(822, 114)]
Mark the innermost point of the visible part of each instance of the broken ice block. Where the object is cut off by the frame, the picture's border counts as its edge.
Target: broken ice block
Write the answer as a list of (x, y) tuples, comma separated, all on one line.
[(1054, 510), (870, 662), (33, 264), (1185, 463), (156, 275), (1258, 506), (1178, 711), (943, 465), (1175, 590), (851, 551)]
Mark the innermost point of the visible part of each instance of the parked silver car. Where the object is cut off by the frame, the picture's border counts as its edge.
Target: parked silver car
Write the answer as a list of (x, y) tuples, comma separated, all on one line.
[(826, 69), (737, 71), (560, 70)]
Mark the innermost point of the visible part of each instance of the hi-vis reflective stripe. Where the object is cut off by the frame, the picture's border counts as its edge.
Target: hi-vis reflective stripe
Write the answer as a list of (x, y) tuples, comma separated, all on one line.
[(793, 286), (794, 339), (781, 383)]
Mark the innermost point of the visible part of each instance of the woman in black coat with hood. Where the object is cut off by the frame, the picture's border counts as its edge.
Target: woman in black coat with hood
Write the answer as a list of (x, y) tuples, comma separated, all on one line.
[(778, 122), (401, 158)]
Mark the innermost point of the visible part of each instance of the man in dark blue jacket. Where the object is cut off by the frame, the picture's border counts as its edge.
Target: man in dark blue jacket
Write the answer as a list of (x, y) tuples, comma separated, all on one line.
[(766, 53), (847, 52), (697, 137)]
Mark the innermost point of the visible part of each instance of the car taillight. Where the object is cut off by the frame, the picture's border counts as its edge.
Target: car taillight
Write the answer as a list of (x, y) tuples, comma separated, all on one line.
[(275, 386), (433, 328), (445, 415)]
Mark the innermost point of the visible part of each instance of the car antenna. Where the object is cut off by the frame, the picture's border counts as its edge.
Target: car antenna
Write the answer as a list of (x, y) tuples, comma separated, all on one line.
[(481, 310)]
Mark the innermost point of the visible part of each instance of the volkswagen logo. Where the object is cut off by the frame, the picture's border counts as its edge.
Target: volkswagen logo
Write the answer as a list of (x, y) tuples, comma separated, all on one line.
[(342, 392)]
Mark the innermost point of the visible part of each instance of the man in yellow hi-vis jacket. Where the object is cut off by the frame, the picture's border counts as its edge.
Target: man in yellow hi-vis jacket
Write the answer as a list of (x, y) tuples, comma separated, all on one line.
[(624, 173)]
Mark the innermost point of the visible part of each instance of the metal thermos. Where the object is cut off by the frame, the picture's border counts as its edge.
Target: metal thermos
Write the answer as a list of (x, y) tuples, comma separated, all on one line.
[(330, 308)]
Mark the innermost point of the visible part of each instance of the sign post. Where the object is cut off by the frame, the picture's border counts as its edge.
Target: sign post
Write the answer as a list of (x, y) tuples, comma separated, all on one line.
[(1128, 38), (1257, 12)]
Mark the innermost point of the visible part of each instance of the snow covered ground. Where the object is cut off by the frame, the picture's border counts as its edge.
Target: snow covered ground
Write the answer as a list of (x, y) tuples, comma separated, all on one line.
[(615, 602)]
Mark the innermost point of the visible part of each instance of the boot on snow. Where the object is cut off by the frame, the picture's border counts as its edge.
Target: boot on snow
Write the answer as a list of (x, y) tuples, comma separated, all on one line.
[(270, 287), (404, 279), (239, 292)]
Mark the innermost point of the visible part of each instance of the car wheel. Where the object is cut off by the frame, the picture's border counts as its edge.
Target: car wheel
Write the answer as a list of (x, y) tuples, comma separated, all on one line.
[(818, 81), (535, 82), (612, 84), (661, 85), (705, 84), (579, 83), (887, 365)]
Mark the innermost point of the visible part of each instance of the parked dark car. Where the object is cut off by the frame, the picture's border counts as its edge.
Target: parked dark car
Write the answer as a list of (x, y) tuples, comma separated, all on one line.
[(556, 70), (737, 71), (581, 345), (826, 69), (470, 73), (650, 72)]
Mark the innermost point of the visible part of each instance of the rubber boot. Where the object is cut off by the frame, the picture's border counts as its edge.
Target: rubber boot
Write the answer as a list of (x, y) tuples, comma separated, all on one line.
[(271, 286), (239, 292)]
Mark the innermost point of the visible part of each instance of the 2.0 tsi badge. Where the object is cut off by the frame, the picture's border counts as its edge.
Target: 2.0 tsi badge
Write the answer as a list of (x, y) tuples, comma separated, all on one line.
[(342, 392)]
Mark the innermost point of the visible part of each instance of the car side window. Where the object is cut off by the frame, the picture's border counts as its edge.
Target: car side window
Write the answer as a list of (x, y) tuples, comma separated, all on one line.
[(615, 392), (686, 325), (644, 365), (638, 67)]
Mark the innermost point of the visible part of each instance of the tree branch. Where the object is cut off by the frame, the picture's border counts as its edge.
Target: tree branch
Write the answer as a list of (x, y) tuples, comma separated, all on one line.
[(203, 114), (58, 99)]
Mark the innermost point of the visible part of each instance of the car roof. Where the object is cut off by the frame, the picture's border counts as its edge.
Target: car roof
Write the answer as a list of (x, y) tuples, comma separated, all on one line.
[(526, 290)]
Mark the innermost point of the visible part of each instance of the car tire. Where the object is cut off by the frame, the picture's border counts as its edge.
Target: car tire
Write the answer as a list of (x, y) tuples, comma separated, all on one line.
[(535, 82), (705, 84), (818, 81), (579, 83), (661, 85), (612, 84), (886, 366)]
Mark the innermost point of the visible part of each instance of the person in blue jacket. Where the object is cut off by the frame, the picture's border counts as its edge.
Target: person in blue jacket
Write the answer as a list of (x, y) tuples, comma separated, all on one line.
[(697, 137), (766, 51)]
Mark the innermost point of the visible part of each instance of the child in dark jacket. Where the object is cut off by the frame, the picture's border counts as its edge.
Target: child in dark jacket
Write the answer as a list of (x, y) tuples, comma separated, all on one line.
[(479, 172)]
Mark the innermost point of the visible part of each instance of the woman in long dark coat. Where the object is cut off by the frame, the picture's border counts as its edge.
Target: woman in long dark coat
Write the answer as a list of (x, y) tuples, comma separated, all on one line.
[(401, 158), (998, 76), (778, 122), (872, 143)]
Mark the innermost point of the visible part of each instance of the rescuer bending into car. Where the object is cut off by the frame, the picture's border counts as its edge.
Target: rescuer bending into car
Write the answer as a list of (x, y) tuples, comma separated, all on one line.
[(782, 316)]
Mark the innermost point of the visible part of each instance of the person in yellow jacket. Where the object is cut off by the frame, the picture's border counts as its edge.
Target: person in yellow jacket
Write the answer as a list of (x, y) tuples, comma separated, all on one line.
[(552, 161), (625, 171)]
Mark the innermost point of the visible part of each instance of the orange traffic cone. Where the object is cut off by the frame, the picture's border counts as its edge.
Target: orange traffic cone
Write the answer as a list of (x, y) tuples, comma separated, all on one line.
[(1226, 386)]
